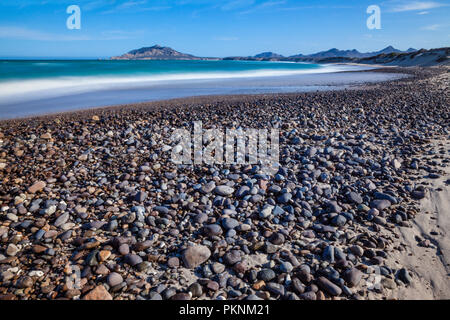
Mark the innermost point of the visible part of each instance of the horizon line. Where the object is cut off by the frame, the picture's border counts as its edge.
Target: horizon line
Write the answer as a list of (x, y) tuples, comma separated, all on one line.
[(109, 57)]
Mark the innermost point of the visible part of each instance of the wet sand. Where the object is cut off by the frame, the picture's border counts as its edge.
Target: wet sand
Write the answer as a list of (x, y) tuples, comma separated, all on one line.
[(51, 102)]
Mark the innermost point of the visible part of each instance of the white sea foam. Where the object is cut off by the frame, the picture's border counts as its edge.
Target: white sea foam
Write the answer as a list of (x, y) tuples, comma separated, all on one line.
[(23, 90)]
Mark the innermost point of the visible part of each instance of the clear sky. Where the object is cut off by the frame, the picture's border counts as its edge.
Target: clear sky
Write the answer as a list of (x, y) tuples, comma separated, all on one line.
[(37, 28)]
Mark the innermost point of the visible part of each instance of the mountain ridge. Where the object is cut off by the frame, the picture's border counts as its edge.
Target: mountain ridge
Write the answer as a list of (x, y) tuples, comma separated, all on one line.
[(155, 52), (353, 53), (164, 53), (387, 56)]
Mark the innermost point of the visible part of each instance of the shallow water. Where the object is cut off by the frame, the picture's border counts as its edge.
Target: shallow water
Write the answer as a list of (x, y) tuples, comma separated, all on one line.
[(70, 85)]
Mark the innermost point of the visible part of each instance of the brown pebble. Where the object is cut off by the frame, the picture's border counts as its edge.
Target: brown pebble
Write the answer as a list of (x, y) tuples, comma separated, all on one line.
[(37, 186), (98, 293), (173, 262)]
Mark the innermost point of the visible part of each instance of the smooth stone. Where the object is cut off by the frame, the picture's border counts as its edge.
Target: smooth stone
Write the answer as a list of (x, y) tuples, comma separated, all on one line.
[(114, 279), (277, 238), (286, 267), (333, 207), (284, 198), (380, 204), (141, 196), (309, 296), (133, 259), (201, 218), (266, 211), (418, 194), (212, 230), (354, 197), (12, 250), (196, 290), (62, 219), (224, 190), (37, 186), (195, 255), (352, 276), (24, 282), (181, 296), (173, 262), (275, 288), (98, 293), (230, 223), (339, 221), (357, 250), (232, 257), (404, 276), (124, 249), (209, 187), (384, 196), (328, 254), (161, 209), (266, 275), (328, 286)]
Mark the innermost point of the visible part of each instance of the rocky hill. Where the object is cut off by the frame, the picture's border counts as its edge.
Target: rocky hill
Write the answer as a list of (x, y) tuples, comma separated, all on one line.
[(423, 58), (156, 53), (386, 56), (336, 53), (329, 54), (269, 55)]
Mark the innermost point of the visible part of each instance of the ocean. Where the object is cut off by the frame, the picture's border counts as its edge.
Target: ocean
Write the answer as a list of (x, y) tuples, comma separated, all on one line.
[(29, 87)]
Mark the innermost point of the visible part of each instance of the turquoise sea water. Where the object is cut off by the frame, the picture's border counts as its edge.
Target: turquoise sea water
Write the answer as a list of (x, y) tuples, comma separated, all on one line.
[(62, 77), (29, 87), (38, 69)]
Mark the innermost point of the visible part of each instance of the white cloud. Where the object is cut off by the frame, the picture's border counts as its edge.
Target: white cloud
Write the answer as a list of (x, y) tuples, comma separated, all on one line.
[(10, 32), (96, 4), (226, 38), (21, 33), (432, 27), (417, 5), (161, 8), (130, 4), (271, 3), (236, 4), (135, 6), (423, 12), (264, 5)]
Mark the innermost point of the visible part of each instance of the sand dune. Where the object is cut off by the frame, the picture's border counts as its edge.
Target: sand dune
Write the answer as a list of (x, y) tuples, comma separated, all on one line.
[(430, 265)]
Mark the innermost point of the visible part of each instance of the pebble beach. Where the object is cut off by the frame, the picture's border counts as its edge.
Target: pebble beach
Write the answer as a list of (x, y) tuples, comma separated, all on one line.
[(93, 208)]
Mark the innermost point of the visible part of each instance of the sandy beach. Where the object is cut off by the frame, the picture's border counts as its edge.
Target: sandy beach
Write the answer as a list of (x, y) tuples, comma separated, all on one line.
[(91, 206), (426, 243)]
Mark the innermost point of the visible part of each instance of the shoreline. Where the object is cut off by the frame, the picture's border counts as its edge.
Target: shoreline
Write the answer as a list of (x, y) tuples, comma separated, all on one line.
[(402, 72), (119, 96), (96, 189)]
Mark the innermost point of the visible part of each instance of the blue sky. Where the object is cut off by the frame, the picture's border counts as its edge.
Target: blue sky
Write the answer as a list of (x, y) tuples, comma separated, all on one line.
[(37, 28)]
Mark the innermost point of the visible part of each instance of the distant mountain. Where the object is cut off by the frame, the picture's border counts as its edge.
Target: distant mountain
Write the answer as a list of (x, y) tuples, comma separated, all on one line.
[(386, 50), (336, 53), (386, 56), (155, 53), (268, 55), (423, 58)]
